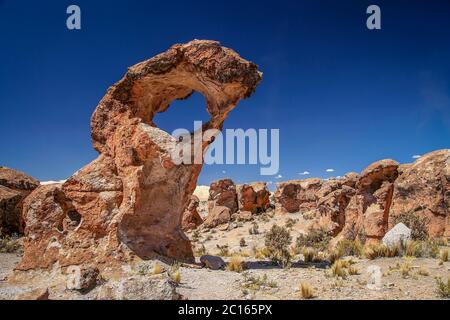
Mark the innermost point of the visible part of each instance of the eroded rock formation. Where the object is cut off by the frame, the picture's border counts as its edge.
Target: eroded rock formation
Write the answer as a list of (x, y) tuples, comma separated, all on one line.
[(191, 218), (14, 187), (366, 204), (253, 197), (223, 193), (130, 200), (424, 189)]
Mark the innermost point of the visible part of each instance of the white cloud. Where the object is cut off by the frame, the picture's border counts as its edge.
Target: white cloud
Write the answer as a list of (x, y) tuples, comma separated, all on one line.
[(304, 173), (269, 182), (416, 156), (330, 170), (279, 176), (224, 172)]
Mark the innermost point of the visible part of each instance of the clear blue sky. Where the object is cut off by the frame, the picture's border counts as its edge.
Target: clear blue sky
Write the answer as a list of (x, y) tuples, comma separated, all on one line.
[(342, 96)]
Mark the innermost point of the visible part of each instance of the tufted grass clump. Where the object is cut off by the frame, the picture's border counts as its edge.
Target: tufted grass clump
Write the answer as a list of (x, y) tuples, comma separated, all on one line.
[(235, 264), (443, 289), (277, 242), (306, 291), (157, 269), (353, 271), (256, 283), (444, 255), (350, 248), (338, 268), (375, 251)]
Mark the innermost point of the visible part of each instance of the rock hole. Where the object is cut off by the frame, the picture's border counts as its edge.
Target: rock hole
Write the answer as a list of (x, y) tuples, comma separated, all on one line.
[(181, 114)]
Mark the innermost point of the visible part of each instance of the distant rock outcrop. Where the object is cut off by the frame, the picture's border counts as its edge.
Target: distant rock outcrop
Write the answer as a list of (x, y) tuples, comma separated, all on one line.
[(366, 204), (253, 197), (15, 186), (191, 218), (130, 200)]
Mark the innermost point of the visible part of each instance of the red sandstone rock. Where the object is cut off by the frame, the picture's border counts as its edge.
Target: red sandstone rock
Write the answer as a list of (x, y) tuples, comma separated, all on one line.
[(223, 193), (368, 210), (191, 217), (297, 195), (130, 200), (423, 188), (14, 187), (217, 216), (253, 197)]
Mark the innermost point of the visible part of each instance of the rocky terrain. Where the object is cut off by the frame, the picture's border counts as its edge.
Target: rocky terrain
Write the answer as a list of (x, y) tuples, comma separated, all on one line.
[(133, 225)]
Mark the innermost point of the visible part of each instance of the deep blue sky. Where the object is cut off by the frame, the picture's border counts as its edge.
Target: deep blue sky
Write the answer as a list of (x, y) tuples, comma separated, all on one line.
[(342, 96)]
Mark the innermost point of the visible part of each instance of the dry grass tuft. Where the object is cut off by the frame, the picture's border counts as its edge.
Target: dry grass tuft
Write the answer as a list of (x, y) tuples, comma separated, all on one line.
[(306, 291), (235, 264), (338, 268)]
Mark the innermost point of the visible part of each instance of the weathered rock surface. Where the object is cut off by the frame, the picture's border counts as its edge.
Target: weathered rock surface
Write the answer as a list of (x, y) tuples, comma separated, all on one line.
[(297, 195), (212, 262), (14, 187), (223, 193), (368, 210), (217, 215), (253, 197), (191, 218), (424, 189), (130, 200), (397, 235)]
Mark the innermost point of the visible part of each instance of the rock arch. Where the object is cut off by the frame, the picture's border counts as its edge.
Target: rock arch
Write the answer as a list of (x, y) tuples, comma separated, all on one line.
[(131, 198)]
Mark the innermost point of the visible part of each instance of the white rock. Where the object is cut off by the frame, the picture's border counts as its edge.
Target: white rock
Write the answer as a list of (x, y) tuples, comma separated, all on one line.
[(399, 233)]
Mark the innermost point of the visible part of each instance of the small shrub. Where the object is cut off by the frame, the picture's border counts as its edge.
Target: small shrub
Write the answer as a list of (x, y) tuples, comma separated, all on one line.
[(254, 229), (306, 291), (444, 255), (290, 223), (277, 242), (10, 245), (418, 225), (443, 289), (235, 264), (200, 251), (223, 250), (315, 238), (242, 242), (255, 283), (405, 269)]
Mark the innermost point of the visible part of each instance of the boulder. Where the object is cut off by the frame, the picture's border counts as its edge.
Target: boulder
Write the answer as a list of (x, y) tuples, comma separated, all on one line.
[(191, 218), (423, 189), (139, 288), (397, 235), (223, 193), (130, 200), (297, 195), (82, 278), (213, 262), (253, 197), (15, 186), (217, 216)]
